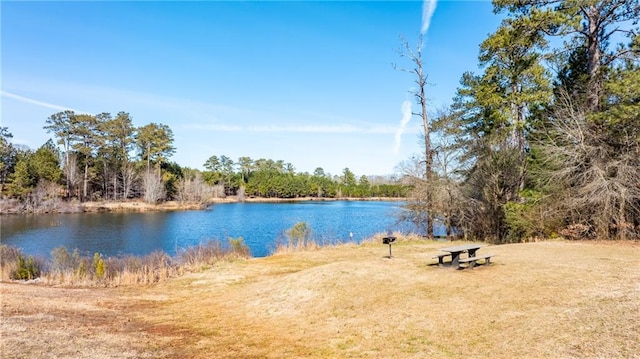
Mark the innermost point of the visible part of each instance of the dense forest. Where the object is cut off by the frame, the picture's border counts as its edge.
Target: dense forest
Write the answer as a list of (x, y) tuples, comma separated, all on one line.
[(105, 157), (545, 139)]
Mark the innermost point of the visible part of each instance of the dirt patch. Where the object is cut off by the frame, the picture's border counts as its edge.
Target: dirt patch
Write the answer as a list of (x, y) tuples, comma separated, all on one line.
[(542, 300), (39, 322)]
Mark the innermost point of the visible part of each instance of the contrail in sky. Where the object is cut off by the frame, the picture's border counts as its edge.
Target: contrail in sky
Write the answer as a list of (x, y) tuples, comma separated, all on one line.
[(35, 102), (406, 117), (428, 8)]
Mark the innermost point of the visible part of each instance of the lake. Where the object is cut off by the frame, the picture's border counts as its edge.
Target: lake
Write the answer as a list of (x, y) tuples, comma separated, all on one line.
[(261, 225)]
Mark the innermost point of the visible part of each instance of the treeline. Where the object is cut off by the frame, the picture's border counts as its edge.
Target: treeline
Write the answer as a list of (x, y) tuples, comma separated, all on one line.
[(545, 140), (277, 179), (105, 157)]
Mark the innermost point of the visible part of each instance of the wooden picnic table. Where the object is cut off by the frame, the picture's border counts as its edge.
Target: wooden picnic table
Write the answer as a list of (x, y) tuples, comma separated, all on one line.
[(457, 250)]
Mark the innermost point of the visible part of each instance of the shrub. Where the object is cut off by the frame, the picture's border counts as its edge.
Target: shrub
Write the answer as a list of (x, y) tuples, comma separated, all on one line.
[(299, 234), (26, 269), (62, 261), (577, 231), (98, 265), (202, 254), (83, 268), (239, 247), (8, 260), (297, 237)]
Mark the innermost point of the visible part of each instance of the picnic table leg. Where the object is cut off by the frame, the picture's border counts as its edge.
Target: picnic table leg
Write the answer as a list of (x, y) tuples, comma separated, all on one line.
[(455, 259), (472, 252)]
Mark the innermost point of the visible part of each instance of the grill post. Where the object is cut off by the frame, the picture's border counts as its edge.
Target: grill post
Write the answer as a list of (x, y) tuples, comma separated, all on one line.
[(389, 240)]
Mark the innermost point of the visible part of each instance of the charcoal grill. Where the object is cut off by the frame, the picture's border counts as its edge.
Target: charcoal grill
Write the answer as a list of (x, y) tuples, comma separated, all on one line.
[(389, 240)]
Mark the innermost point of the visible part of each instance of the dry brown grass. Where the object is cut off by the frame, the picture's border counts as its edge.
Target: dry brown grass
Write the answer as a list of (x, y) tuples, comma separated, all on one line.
[(70, 269), (537, 300)]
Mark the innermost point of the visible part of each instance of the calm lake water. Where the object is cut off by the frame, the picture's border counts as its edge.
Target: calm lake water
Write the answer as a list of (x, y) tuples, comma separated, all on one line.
[(261, 225)]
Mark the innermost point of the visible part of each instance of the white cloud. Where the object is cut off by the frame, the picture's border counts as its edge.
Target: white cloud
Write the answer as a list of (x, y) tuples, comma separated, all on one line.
[(319, 129)]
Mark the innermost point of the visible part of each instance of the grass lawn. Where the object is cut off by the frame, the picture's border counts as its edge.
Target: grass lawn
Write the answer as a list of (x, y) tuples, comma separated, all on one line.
[(536, 300)]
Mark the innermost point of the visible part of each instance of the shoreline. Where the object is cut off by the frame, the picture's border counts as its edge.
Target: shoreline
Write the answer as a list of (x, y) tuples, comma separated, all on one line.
[(141, 206)]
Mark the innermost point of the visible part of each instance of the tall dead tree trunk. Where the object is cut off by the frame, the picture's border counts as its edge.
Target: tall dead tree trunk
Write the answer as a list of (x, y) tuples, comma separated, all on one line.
[(415, 56)]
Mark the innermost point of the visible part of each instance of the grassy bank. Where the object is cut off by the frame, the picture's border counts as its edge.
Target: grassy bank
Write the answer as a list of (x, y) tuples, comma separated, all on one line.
[(71, 269), (537, 300)]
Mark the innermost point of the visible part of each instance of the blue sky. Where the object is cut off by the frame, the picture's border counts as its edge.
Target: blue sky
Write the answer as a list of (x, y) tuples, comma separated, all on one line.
[(310, 83)]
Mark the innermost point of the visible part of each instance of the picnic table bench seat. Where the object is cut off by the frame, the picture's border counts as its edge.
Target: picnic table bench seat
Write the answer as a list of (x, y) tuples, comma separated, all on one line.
[(440, 257), (472, 260)]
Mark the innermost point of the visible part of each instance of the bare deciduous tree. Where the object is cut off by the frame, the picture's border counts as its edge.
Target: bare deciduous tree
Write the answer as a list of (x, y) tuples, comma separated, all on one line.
[(153, 186), (416, 208), (129, 176), (446, 164), (596, 171), (194, 189), (71, 170)]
